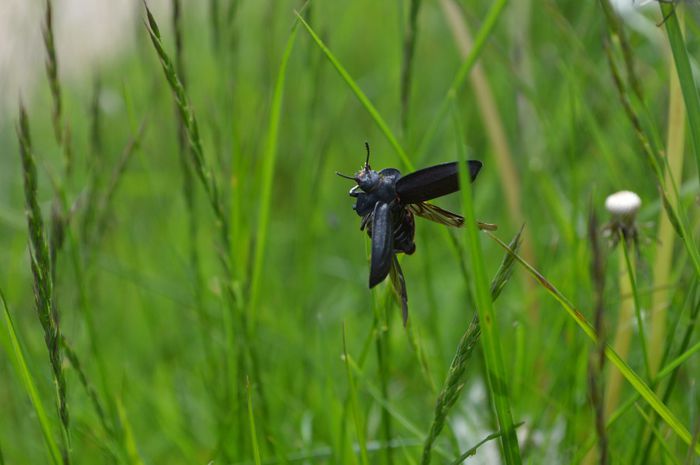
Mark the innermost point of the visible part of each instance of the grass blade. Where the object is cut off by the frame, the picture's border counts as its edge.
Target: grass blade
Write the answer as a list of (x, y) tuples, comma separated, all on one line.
[(251, 422), (383, 126), (632, 377), (685, 74), (471, 452), (454, 382), (20, 364), (495, 368), (479, 42), (354, 406), (268, 173), (129, 439)]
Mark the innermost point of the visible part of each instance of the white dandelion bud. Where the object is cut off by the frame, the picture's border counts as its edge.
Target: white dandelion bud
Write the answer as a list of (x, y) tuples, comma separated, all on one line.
[(623, 205)]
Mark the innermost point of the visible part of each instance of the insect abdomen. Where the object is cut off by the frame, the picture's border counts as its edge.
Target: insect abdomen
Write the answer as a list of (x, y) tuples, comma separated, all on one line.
[(404, 233)]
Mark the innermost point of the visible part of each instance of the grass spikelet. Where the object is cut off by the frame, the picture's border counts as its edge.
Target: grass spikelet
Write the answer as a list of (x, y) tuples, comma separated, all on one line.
[(187, 114), (42, 271), (454, 382), (52, 70), (240, 357)]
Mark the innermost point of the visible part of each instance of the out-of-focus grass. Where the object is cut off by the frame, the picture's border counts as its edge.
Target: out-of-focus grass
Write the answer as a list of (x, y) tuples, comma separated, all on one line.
[(170, 368)]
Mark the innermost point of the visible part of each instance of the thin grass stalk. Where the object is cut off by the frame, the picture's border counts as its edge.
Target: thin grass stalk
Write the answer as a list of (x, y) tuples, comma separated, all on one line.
[(491, 117), (87, 312), (381, 343), (132, 451), (395, 412), (51, 65), (596, 363), (672, 368), (409, 48), (454, 382), (251, 424), (617, 30), (696, 439), (669, 456), (72, 357), (685, 74), (493, 357), (240, 353), (22, 370), (632, 377), (214, 23), (630, 264), (489, 112), (41, 270), (105, 204), (676, 217), (472, 452), (366, 347), (664, 250), (269, 161), (480, 40), (188, 191), (95, 164), (354, 406)]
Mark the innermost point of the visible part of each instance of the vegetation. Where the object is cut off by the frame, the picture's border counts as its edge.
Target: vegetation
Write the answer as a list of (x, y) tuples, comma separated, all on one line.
[(183, 279)]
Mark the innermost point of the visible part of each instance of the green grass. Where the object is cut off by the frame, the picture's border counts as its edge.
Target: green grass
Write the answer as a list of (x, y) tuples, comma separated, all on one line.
[(200, 279)]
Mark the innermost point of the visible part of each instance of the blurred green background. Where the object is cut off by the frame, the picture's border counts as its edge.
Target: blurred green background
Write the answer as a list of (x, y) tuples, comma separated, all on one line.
[(540, 110)]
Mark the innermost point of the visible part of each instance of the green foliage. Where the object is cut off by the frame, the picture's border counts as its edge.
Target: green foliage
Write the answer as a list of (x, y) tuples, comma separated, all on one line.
[(201, 282)]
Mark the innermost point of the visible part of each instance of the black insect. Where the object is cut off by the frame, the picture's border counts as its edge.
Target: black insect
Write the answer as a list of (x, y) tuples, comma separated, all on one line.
[(387, 203)]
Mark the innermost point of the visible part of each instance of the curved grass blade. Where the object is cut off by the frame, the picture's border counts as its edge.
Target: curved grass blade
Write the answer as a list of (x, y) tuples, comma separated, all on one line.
[(471, 452), (383, 126), (20, 365), (454, 382), (632, 377)]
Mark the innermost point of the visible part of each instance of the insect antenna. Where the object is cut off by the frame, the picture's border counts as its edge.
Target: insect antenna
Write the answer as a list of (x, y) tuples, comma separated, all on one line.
[(367, 160), (345, 176)]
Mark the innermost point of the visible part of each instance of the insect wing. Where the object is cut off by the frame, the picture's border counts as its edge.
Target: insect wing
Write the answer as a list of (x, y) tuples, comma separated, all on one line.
[(434, 213), (399, 284), (432, 182), (382, 244)]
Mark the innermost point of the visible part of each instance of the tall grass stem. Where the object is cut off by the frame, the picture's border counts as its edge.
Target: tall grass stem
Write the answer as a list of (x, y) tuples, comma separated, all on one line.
[(491, 344)]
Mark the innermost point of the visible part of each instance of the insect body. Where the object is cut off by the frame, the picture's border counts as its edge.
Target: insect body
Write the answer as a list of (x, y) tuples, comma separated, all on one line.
[(387, 203)]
